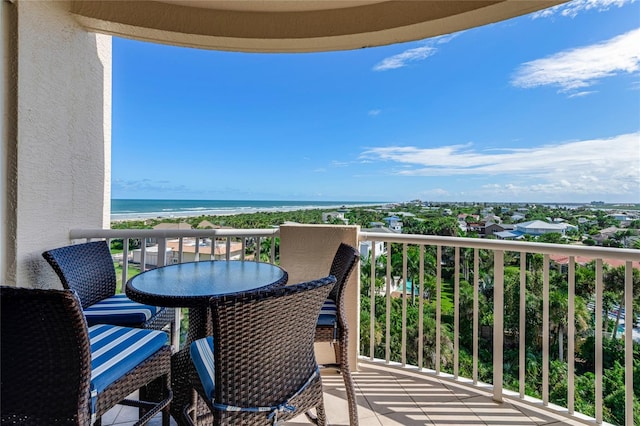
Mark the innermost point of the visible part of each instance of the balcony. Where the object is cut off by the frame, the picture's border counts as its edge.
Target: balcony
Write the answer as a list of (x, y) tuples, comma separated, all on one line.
[(447, 386), (389, 395)]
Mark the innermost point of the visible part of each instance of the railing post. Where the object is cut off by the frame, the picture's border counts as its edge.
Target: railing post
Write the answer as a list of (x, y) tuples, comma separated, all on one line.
[(438, 306), (372, 315), (162, 252), (476, 311), (498, 323), (456, 313), (598, 346), (545, 330), (403, 349), (387, 341), (571, 333), (421, 311), (125, 262), (628, 343), (522, 332)]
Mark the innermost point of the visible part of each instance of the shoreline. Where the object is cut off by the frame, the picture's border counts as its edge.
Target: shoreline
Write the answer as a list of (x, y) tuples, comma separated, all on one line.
[(232, 211)]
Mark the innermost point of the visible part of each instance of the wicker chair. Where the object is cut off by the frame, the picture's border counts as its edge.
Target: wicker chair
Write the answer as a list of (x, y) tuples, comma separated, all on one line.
[(88, 270), (55, 370), (265, 366), (332, 324)]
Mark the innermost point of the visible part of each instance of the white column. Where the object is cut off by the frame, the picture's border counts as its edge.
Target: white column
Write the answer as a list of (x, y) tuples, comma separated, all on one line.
[(62, 144)]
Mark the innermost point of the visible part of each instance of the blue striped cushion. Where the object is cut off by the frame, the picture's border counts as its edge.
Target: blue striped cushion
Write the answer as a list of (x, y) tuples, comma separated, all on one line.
[(202, 356), (328, 313), (117, 350), (119, 310)]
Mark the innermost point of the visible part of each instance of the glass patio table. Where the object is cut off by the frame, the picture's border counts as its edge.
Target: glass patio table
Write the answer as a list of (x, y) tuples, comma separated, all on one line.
[(192, 285)]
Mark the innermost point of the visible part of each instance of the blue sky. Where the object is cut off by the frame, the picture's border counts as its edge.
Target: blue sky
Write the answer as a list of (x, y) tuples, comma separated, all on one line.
[(540, 108)]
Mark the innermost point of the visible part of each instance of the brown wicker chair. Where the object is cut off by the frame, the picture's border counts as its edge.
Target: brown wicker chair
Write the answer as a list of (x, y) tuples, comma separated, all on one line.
[(88, 270), (47, 358), (265, 366), (332, 324)]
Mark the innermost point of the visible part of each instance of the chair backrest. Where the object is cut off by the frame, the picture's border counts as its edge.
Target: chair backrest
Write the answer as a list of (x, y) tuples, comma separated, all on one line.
[(46, 358), (264, 342), (85, 268), (343, 263)]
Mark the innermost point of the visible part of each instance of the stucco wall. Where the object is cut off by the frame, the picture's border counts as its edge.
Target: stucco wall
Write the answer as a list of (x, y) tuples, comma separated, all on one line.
[(63, 142), (306, 253)]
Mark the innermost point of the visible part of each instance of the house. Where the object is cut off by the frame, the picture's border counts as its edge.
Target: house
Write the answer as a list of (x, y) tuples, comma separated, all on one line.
[(205, 224), (338, 214), (517, 217), (562, 261), (539, 227), (484, 229), (366, 247), (394, 223), (151, 256), (168, 225), (205, 250)]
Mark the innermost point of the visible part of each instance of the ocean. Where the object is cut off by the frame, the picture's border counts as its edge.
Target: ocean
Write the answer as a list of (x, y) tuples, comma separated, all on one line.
[(125, 209)]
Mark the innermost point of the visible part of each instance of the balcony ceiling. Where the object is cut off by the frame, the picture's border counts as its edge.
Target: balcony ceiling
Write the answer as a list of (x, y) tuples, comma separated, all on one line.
[(294, 25)]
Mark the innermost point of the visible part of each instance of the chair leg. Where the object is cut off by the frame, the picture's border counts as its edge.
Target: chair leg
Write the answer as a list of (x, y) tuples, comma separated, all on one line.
[(343, 357), (321, 416)]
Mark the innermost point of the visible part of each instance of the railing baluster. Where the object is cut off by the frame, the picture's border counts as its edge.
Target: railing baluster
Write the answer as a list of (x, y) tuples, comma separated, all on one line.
[(476, 311), (522, 332), (162, 252), (125, 262), (628, 343), (256, 253), (181, 250), (196, 255), (372, 319), (387, 343), (421, 311), (456, 312), (273, 249), (403, 349), (243, 248), (545, 330), (143, 257), (438, 306), (598, 347), (228, 247), (571, 333), (498, 323)]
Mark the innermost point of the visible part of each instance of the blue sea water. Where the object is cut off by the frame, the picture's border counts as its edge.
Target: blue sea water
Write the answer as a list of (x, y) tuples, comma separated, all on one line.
[(126, 209)]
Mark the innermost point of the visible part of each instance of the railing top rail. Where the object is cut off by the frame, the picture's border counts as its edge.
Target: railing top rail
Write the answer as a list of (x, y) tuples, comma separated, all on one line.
[(517, 246), (170, 233)]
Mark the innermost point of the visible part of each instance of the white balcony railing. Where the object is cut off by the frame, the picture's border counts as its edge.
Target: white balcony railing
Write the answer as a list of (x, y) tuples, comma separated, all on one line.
[(448, 255)]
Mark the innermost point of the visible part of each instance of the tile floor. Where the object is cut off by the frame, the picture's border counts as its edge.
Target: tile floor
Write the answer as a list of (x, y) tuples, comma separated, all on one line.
[(389, 396)]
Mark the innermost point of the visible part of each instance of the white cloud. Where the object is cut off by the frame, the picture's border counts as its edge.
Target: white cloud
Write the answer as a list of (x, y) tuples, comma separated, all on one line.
[(571, 9), (400, 60), (582, 67), (374, 112), (579, 167), (416, 54)]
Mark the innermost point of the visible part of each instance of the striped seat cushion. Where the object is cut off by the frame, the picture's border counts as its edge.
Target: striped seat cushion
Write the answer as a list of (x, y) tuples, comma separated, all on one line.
[(117, 350), (119, 310), (328, 313), (202, 356)]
